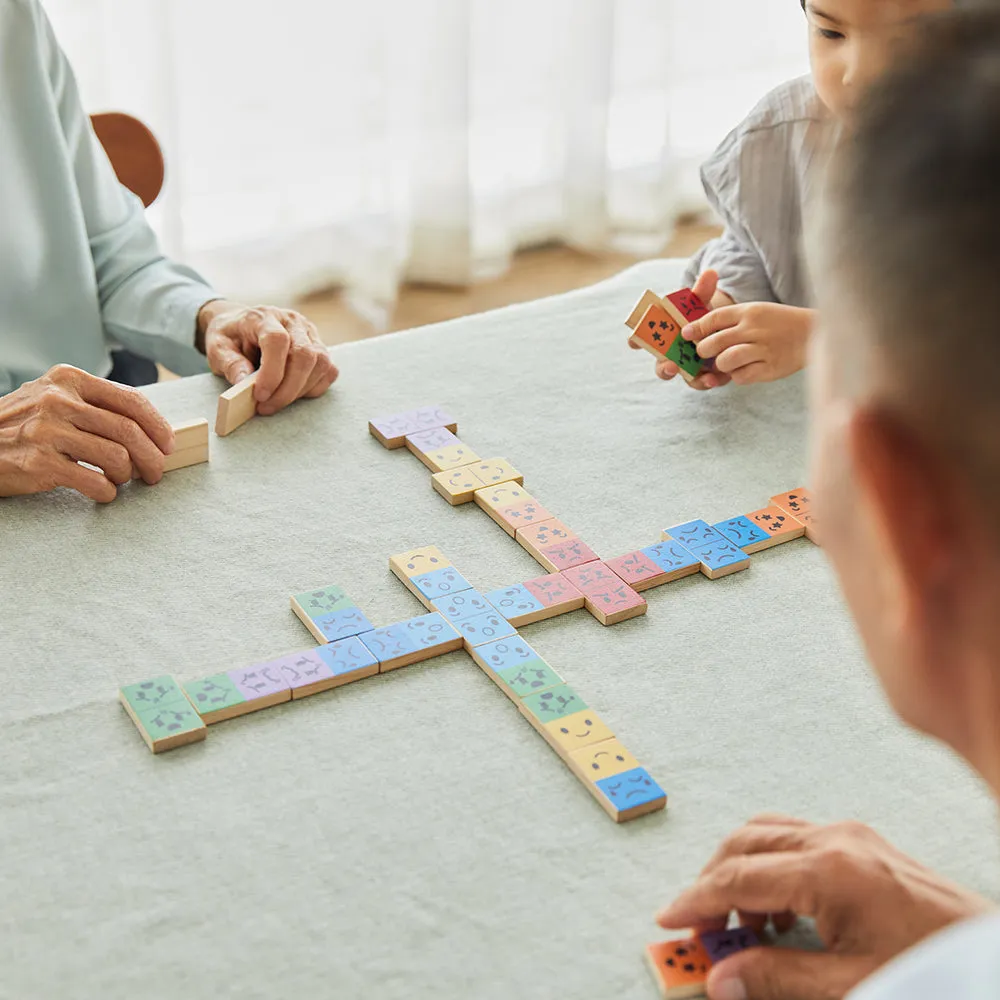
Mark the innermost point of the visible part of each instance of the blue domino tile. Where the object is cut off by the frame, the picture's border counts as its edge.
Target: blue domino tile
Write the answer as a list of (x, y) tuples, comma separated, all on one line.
[(347, 656), (713, 549), (440, 583), (467, 604), (343, 624), (630, 789), (512, 602), (741, 531), (390, 642), (428, 631), (485, 628), (670, 556), (506, 653)]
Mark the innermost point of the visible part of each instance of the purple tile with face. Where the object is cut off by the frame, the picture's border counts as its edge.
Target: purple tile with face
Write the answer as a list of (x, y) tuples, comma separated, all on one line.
[(721, 944), (259, 681), (302, 669)]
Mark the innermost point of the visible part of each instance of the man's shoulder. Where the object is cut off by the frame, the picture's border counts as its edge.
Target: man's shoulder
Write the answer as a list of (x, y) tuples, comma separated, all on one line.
[(961, 963)]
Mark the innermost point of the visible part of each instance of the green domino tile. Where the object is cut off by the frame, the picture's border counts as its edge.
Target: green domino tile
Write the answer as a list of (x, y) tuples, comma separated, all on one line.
[(684, 354), (153, 694), (213, 694), (555, 703), (324, 601), (170, 720), (529, 678)]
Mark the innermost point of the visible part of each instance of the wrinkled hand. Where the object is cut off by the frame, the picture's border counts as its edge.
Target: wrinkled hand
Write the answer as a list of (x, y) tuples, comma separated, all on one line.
[(293, 361), (69, 416), (753, 342), (870, 902)]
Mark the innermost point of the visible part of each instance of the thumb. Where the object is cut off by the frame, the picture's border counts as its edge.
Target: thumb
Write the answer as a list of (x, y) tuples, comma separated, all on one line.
[(226, 361), (787, 974), (706, 286)]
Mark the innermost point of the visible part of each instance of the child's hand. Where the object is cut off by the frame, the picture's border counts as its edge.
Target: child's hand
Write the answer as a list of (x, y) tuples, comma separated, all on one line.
[(754, 342)]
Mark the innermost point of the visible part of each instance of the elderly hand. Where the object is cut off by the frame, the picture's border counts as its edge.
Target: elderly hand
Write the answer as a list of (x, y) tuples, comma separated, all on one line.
[(293, 361), (69, 416), (870, 903)]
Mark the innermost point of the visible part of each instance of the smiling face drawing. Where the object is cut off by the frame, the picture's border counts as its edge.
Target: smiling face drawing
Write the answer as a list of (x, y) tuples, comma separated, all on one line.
[(603, 760)]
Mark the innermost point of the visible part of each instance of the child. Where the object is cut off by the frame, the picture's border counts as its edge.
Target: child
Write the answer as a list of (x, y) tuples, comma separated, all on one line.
[(759, 179)]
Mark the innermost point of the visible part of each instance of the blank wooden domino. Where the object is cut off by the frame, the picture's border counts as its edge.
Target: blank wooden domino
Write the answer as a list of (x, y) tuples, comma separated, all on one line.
[(236, 406), (511, 506), (190, 447), (412, 641), (717, 555), (798, 503), (162, 714), (193, 434), (553, 545), (391, 431), (606, 596), (440, 450)]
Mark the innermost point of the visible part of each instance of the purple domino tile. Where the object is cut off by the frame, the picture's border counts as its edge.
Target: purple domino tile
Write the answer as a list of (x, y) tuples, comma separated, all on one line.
[(302, 669), (260, 681), (721, 944), (433, 440), (428, 417)]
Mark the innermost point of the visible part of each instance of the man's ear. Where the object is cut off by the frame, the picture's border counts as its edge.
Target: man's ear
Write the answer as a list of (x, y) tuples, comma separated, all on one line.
[(914, 506)]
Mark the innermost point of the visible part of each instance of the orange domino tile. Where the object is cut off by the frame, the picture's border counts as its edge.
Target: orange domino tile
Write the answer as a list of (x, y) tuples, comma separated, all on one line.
[(799, 504), (656, 331), (680, 968)]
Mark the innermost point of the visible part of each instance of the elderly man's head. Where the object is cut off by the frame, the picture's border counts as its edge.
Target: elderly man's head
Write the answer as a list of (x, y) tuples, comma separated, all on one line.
[(906, 380)]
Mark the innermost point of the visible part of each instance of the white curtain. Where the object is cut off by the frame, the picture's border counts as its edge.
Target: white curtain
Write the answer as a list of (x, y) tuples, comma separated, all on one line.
[(364, 143)]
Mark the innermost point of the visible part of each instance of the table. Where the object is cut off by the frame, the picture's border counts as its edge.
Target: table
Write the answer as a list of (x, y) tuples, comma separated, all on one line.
[(410, 836)]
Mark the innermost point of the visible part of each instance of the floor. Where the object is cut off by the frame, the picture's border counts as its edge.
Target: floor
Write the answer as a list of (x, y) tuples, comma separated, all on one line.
[(534, 274)]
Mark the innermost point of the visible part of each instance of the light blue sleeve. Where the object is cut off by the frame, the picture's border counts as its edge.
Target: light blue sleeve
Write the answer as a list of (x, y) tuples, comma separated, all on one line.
[(148, 303)]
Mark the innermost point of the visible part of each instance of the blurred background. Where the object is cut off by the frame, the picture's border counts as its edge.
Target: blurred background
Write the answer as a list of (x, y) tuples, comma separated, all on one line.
[(387, 163)]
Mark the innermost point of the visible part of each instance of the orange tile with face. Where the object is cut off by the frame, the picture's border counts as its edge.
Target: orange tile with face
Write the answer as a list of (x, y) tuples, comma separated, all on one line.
[(678, 964), (777, 523), (657, 330)]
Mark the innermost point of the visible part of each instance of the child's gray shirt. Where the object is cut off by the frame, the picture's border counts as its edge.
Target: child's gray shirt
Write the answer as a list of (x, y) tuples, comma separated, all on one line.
[(758, 182)]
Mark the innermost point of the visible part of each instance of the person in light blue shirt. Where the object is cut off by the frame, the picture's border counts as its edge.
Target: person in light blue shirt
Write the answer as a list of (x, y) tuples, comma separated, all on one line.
[(81, 273), (906, 466)]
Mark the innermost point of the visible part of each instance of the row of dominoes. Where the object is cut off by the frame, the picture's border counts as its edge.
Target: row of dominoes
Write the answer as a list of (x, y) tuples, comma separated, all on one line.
[(681, 968)]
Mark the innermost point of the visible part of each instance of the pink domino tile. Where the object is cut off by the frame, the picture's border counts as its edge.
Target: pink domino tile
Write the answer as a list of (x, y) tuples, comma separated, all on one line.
[(555, 590), (569, 555), (592, 577), (637, 570)]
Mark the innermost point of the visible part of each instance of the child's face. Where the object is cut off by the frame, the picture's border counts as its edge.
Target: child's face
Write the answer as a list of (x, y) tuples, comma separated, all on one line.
[(850, 43)]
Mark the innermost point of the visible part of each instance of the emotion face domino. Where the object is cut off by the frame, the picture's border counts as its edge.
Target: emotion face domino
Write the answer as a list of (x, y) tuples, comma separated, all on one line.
[(216, 698), (601, 760), (466, 604), (680, 968), (484, 629), (494, 657), (551, 705), (262, 685), (413, 641), (591, 578), (433, 634), (307, 673), (519, 515), (451, 457), (162, 713), (341, 624), (439, 583), (556, 593), (574, 731), (417, 562), (458, 485), (614, 603), (688, 305), (154, 693), (494, 471), (391, 430), (673, 559), (348, 660), (684, 354), (426, 444), (717, 555), (719, 945), (630, 794), (799, 504), (391, 646), (323, 601), (518, 605), (329, 614), (527, 678), (568, 555), (744, 534), (782, 527), (638, 571), (656, 331)]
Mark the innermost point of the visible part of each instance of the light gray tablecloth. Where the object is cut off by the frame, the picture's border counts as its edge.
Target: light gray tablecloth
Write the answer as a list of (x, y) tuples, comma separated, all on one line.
[(410, 836)]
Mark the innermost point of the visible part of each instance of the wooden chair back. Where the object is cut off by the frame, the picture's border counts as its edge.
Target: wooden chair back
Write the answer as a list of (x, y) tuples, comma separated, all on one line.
[(134, 153)]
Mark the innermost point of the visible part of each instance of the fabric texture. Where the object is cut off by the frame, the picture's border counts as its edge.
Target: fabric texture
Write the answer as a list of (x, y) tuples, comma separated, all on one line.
[(759, 181), (961, 963), (409, 836), (80, 269)]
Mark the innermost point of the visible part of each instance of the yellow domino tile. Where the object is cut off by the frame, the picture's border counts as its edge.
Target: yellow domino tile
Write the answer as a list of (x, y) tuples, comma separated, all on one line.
[(417, 562), (449, 458), (581, 729), (494, 471), (459, 485), (602, 760)]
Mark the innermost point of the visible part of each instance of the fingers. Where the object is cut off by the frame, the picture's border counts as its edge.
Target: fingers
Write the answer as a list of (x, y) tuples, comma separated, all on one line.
[(710, 380), (122, 433), (786, 974), (324, 375), (716, 321), (762, 883), (112, 458), (86, 481), (706, 286), (228, 362), (759, 371), (666, 370), (129, 403), (738, 357), (300, 363), (760, 838), (275, 344)]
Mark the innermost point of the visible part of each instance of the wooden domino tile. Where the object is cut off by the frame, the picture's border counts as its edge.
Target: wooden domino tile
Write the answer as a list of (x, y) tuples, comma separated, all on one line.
[(236, 406), (428, 575), (553, 545), (413, 641), (326, 667), (574, 731), (639, 571), (190, 446), (780, 526), (440, 450), (745, 534), (239, 692), (555, 593), (518, 605), (462, 605), (162, 714), (717, 555), (330, 614), (687, 305), (606, 596), (656, 331), (494, 471), (515, 667), (597, 761), (798, 503), (681, 968), (457, 486), (511, 506), (648, 300), (483, 629), (391, 431)]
